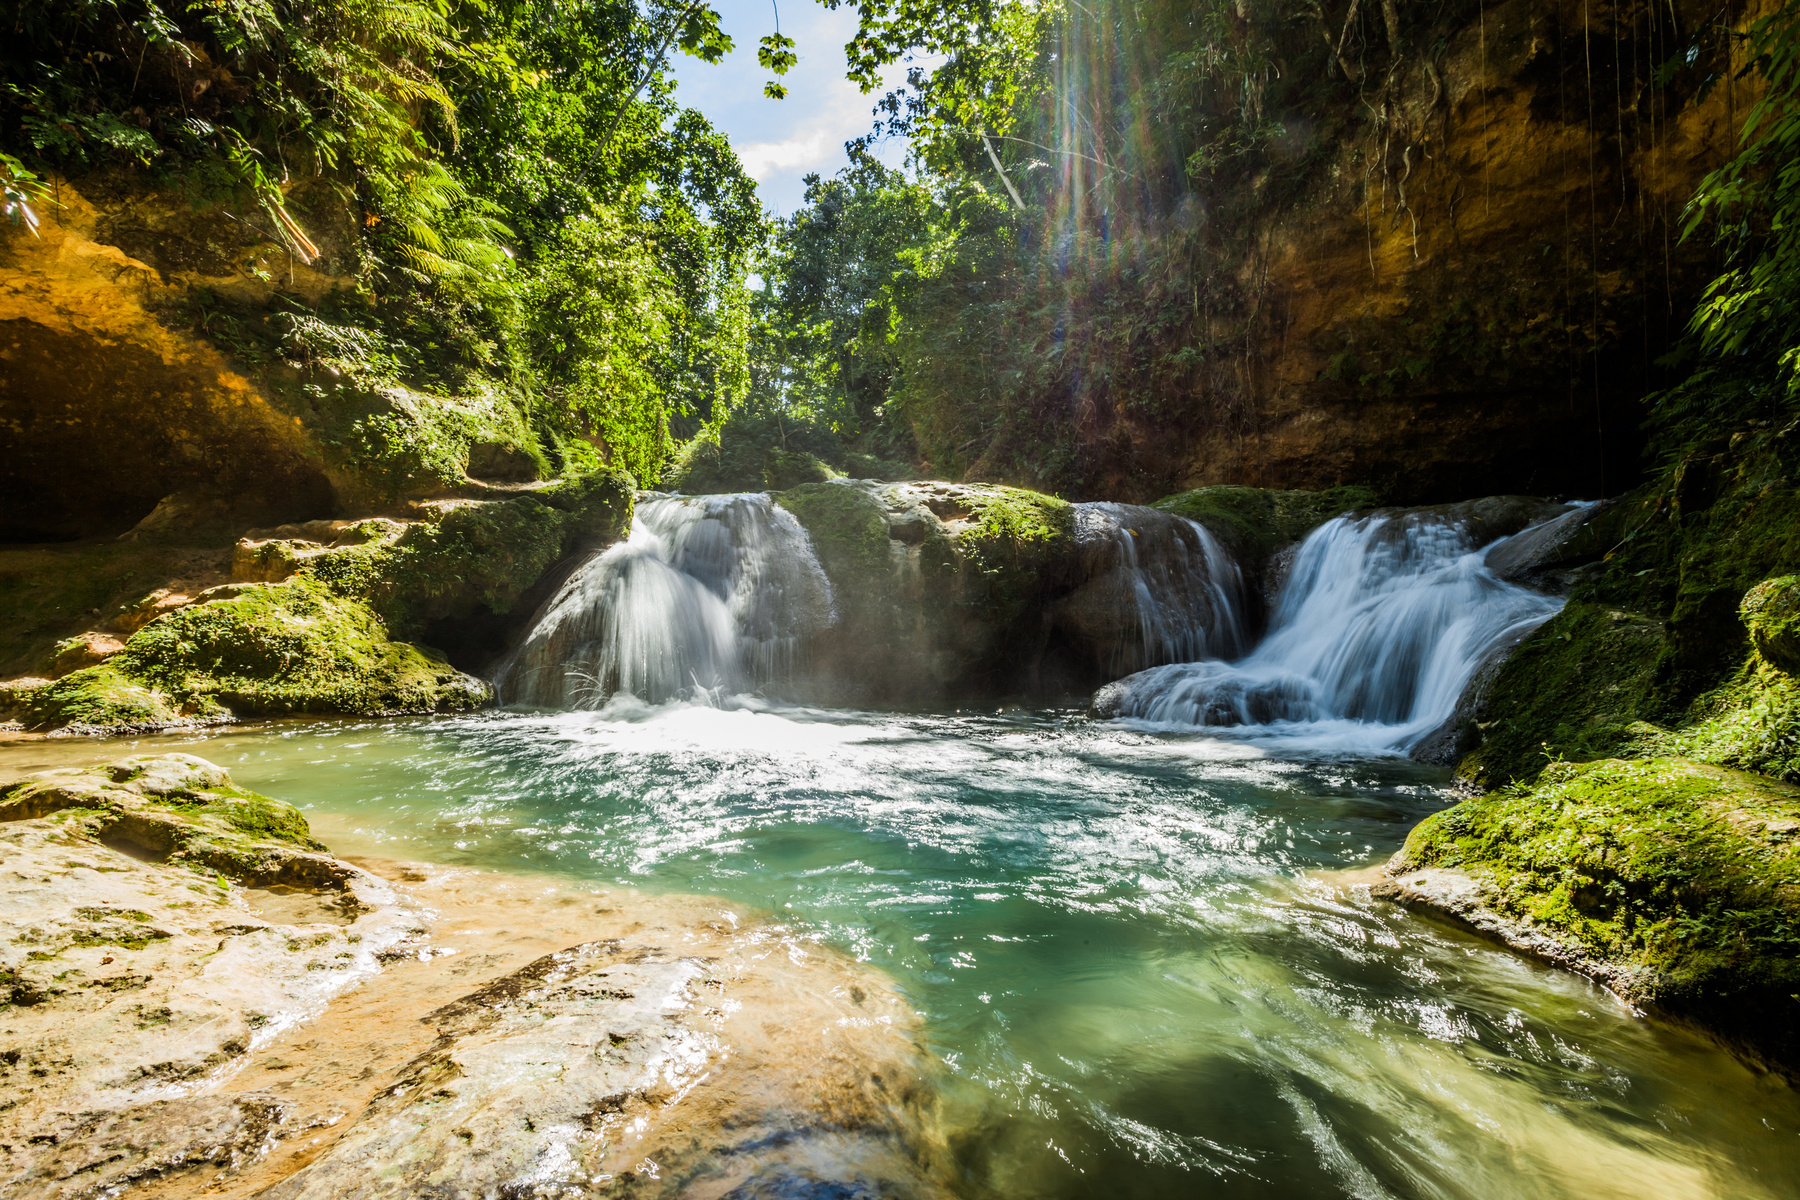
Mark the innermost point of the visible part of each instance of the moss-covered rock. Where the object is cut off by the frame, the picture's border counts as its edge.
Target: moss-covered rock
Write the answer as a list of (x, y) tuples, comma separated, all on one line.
[(757, 447), (1672, 644), (1578, 688), (1771, 612), (464, 561), (1256, 522), (258, 649), (786, 469), (175, 808), (849, 528), (382, 440), (294, 646), (1677, 881), (99, 698), (943, 590)]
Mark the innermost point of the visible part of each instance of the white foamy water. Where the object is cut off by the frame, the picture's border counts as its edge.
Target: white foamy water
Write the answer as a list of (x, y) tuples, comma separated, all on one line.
[(1379, 628), (709, 595), (1185, 592)]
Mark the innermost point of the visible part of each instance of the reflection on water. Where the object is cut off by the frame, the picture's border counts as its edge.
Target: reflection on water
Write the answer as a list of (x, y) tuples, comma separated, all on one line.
[(1120, 941)]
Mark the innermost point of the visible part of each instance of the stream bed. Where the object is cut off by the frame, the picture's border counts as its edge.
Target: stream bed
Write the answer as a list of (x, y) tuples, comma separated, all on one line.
[(1142, 955)]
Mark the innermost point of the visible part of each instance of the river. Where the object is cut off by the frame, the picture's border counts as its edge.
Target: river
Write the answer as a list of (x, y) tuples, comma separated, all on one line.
[(1141, 955)]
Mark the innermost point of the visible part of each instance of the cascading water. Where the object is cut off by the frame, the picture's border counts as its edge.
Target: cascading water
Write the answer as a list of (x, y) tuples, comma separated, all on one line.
[(1171, 593), (709, 594), (1379, 627)]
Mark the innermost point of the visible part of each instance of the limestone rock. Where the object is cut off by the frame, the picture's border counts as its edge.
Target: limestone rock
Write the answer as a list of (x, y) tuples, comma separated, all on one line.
[(141, 955), (84, 650), (182, 1019)]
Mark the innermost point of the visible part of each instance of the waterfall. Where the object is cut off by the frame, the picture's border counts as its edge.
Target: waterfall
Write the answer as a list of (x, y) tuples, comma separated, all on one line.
[(1160, 589), (1379, 627), (709, 595)]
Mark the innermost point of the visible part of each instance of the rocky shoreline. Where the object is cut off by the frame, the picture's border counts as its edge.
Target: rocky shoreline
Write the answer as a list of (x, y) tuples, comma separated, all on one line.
[(201, 1000)]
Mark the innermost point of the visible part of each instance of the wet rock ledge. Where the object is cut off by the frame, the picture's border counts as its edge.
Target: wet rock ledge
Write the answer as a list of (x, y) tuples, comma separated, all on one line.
[(197, 998), (1673, 882)]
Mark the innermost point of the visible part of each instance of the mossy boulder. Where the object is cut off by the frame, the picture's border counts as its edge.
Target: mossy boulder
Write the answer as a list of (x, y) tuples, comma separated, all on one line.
[(757, 447), (946, 591), (1256, 522), (1579, 687), (177, 808), (1675, 641), (450, 574), (99, 698), (1771, 612), (260, 649), (1676, 881), (787, 468)]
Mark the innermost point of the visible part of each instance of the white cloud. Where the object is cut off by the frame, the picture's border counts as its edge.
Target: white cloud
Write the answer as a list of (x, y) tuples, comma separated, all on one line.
[(781, 141)]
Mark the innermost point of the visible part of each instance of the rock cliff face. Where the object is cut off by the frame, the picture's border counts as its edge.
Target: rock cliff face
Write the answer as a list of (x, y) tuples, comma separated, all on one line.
[(153, 372), (106, 407), (1469, 294)]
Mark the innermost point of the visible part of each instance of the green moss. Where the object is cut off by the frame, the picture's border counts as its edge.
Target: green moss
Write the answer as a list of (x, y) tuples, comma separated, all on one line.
[(786, 468), (382, 440), (129, 939), (1580, 687), (482, 555), (205, 821), (295, 646), (1255, 522), (1771, 612), (1752, 723), (1674, 643), (101, 697), (257, 649), (848, 528), (249, 813), (1014, 551), (52, 592), (1686, 874), (1015, 515)]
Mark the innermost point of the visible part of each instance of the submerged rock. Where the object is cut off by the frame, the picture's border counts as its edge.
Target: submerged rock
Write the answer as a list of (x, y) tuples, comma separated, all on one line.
[(179, 1013)]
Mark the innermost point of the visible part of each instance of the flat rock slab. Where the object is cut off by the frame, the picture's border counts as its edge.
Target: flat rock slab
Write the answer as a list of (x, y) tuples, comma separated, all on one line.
[(1461, 898), (416, 1030)]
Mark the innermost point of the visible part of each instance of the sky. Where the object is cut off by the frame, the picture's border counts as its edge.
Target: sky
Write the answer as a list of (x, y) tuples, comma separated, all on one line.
[(781, 141)]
